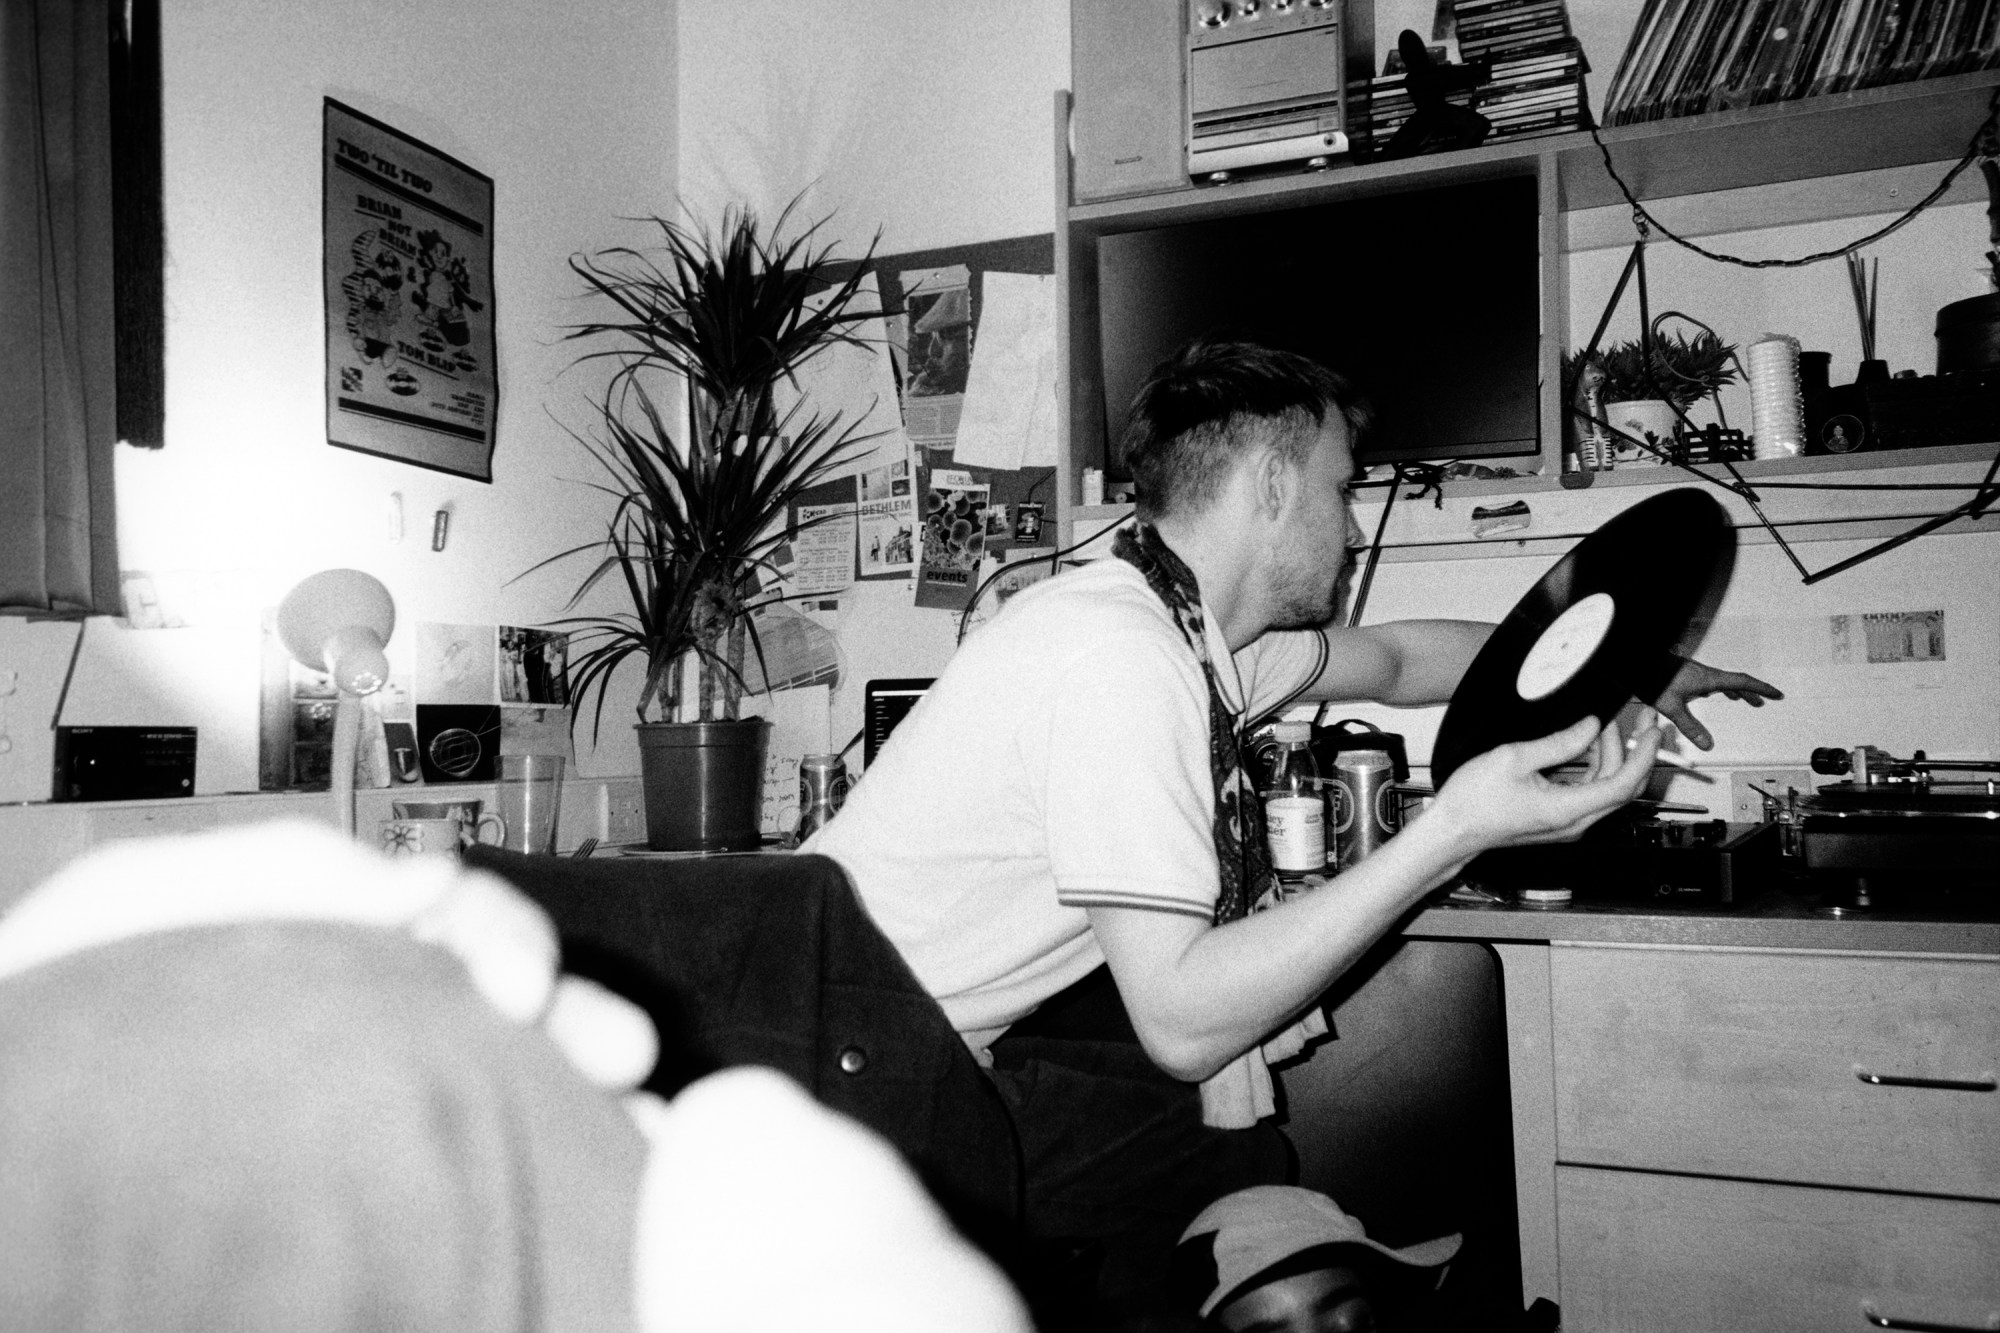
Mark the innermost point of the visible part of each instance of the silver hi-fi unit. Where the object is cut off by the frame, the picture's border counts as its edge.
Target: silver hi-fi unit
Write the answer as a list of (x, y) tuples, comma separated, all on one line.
[(1266, 84)]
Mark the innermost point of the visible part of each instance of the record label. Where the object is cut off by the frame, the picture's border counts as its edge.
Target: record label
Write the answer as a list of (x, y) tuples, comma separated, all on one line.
[(1565, 646)]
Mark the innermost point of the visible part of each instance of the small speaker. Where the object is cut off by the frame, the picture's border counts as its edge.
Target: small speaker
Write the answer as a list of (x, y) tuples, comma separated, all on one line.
[(1128, 119)]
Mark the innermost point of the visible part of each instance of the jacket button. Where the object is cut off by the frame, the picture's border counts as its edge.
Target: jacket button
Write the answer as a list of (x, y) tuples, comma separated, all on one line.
[(853, 1060)]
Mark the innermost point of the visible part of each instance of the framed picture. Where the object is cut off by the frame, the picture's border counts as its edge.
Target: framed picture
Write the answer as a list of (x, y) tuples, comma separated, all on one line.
[(408, 234)]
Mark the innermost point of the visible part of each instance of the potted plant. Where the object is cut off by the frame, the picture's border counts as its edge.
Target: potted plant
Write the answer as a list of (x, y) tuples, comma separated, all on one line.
[(1646, 397), (732, 314)]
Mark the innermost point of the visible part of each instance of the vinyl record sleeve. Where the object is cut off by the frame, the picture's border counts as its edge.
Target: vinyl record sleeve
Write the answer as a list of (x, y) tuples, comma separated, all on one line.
[(1598, 630)]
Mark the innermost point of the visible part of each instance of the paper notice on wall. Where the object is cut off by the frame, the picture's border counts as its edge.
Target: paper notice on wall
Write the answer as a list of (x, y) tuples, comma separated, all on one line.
[(1008, 419), (859, 383), (954, 539), (886, 525), (823, 549), (1883, 637), (938, 305), (801, 721)]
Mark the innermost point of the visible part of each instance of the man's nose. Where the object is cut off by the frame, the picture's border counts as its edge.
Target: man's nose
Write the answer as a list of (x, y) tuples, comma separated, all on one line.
[(1353, 528)]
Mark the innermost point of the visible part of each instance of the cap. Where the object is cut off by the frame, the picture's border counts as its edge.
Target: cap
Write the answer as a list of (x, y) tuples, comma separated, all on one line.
[(1291, 731), (1254, 1231)]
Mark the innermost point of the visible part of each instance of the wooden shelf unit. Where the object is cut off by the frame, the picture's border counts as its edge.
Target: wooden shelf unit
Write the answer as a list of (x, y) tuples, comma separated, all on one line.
[(1836, 136)]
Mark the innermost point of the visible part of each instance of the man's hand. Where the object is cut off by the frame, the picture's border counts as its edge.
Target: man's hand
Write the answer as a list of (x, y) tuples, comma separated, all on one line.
[(1695, 681), (1504, 798)]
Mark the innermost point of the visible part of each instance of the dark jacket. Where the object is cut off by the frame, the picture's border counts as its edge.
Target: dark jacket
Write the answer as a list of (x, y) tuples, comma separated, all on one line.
[(771, 960)]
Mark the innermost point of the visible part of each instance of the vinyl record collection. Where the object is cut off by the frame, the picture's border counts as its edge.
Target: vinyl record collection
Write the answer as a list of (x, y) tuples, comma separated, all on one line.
[(1534, 81), (1687, 57)]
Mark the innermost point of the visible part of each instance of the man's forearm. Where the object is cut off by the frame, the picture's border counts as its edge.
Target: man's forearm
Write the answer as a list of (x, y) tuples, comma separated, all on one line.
[(1228, 987)]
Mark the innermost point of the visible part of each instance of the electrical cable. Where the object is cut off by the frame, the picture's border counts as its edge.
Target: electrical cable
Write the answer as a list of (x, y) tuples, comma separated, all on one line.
[(1360, 602), (1974, 151), (972, 603)]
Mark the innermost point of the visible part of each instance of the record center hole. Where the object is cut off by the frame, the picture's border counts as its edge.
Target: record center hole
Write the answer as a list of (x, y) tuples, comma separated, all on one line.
[(1565, 646)]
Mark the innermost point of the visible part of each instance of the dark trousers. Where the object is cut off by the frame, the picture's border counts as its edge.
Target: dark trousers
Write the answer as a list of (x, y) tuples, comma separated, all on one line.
[(1117, 1159)]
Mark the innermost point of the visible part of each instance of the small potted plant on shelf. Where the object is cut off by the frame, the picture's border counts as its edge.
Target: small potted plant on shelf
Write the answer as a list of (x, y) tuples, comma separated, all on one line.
[(1645, 397), (698, 514)]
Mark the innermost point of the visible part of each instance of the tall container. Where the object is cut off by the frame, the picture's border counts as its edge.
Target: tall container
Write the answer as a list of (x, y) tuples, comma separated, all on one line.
[(704, 784)]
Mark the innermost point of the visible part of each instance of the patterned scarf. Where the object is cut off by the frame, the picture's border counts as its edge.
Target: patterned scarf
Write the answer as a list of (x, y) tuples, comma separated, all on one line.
[(1239, 818)]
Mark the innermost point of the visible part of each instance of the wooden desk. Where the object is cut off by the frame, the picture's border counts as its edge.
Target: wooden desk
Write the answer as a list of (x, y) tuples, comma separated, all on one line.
[(1694, 1146)]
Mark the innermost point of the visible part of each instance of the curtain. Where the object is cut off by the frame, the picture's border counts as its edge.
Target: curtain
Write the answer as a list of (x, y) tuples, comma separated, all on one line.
[(60, 76)]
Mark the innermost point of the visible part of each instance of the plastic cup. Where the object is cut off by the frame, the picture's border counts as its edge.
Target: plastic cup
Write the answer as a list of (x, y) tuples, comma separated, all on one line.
[(528, 798)]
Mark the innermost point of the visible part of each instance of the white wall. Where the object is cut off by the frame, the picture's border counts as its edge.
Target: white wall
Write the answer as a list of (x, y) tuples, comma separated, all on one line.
[(571, 109), (930, 119)]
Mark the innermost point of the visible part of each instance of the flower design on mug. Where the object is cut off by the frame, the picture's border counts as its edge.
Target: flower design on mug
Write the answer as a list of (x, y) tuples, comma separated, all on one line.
[(402, 840)]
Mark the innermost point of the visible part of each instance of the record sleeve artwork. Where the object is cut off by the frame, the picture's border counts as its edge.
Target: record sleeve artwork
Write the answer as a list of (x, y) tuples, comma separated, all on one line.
[(408, 255), (1601, 628)]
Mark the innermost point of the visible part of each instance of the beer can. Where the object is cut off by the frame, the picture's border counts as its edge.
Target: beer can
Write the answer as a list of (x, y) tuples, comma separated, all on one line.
[(822, 789), (1366, 808)]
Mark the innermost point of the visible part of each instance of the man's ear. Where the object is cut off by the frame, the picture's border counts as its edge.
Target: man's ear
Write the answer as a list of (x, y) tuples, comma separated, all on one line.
[(1274, 481)]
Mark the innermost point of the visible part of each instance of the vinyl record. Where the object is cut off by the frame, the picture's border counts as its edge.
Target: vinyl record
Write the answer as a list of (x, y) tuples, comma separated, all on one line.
[(1597, 631)]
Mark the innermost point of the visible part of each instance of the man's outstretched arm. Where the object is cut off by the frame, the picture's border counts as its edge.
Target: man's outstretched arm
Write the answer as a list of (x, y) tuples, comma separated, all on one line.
[(1416, 662)]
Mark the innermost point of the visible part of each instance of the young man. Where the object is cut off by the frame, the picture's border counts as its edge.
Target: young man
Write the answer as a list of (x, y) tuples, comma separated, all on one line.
[(1062, 843), (1280, 1259)]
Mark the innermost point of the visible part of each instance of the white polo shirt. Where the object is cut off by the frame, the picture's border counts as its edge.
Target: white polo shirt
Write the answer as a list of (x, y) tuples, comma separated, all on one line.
[(1060, 762)]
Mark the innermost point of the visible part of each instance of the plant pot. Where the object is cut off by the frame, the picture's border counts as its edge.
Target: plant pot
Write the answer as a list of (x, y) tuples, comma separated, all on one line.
[(704, 784), (1649, 419)]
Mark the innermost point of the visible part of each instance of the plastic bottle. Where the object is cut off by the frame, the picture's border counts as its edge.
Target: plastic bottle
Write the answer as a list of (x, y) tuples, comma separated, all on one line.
[(1294, 805)]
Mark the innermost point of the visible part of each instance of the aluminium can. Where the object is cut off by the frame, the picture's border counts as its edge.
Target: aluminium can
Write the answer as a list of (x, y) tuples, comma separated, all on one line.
[(822, 790), (1366, 808)]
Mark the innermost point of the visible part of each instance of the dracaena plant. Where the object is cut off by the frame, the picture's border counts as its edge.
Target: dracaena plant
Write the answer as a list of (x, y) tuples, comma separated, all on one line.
[(700, 513)]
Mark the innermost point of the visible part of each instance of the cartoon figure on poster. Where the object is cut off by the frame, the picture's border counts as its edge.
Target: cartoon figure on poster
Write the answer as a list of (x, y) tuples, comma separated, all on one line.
[(443, 292), (374, 292)]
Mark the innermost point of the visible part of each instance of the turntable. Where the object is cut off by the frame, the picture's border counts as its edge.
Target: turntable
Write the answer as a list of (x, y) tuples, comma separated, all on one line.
[(1894, 833)]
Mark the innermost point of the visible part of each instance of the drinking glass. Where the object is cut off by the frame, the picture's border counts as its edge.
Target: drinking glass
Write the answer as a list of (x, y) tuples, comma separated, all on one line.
[(528, 794)]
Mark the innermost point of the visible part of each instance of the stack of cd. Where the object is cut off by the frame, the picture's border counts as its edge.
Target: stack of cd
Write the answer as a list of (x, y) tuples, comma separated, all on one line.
[(1777, 408)]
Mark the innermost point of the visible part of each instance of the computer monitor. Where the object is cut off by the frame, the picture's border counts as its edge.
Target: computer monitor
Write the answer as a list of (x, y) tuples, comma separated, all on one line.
[(884, 704), (1429, 301)]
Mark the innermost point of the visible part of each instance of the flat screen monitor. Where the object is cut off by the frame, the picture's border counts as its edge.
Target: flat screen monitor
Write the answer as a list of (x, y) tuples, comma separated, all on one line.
[(1428, 301), (884, 704)]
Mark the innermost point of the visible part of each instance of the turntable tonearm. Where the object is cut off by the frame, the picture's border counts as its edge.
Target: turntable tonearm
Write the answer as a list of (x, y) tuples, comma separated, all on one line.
[(1895, 829)]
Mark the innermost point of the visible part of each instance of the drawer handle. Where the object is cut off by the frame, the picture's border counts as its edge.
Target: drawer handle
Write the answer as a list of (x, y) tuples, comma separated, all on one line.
[(1924, 1326), (1984, 1083)]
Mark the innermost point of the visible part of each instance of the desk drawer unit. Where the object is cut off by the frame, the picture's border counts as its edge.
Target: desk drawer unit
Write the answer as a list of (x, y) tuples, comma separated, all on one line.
[(1687, 1254), (1868, 1072)]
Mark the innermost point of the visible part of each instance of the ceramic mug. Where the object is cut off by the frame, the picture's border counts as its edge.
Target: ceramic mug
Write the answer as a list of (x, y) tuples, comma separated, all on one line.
[(473, 826), (421, 837)]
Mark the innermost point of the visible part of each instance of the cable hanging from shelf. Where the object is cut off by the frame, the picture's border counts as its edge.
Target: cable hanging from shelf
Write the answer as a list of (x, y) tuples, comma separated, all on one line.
[(1985, 145)]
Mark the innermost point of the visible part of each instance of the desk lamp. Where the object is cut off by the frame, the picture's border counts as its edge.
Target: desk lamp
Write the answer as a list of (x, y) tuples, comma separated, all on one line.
[(339, 621)]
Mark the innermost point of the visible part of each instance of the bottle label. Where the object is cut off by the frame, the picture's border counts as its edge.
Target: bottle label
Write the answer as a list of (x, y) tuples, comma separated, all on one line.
[(1296, 829)]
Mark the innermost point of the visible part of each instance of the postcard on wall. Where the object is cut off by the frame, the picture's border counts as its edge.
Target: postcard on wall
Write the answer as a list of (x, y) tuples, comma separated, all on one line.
[(408, 256), (886, 534), (954, 539), (532, 665), (455, 663), (937, 304)]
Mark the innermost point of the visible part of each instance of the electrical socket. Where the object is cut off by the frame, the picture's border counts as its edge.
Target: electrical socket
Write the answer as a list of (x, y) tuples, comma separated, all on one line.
[(1747, 806), (624, 811)]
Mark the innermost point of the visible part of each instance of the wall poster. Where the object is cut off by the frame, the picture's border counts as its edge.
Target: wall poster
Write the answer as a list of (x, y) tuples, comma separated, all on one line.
[(408, 233)]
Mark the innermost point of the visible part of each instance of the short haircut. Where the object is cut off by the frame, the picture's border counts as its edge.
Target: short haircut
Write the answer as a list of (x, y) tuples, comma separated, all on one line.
[(1214, 399)]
